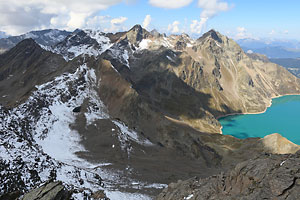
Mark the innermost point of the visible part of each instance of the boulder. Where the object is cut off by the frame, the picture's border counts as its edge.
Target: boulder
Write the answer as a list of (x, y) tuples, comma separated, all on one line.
[(48, 191)]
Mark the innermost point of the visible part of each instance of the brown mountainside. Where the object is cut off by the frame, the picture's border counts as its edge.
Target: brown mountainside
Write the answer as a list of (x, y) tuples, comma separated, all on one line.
[(168, 90)]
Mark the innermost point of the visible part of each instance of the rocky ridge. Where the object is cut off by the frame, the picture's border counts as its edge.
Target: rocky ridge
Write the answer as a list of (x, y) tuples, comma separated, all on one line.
[(267, 176), (46, 38), (131, 104)]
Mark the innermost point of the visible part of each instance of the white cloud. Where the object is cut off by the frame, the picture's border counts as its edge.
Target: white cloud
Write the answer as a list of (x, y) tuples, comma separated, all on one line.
[(173, 28), (118, 21), (210, 8), (130, 1), (77, 20), (198, 26), (106, 23), (286, 32), (273, 32), (146, 21), (19, 16), (170, 4), (241, 29), (242, 33), (116, 24), (98, 22)]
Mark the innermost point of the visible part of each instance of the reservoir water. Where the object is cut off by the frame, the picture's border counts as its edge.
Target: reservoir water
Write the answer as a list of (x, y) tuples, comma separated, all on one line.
[(282, 117)]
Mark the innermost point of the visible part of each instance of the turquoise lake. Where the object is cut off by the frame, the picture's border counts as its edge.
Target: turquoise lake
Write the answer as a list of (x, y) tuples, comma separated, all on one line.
[(282, 117)]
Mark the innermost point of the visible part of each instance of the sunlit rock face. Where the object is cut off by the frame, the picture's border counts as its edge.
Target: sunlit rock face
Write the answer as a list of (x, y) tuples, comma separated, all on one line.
[(99, 108)]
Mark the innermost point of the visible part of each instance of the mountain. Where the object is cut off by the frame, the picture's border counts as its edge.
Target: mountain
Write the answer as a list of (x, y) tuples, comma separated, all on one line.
[(265, 42), (272, 48), (276, 52), (3, 35), (130, 112), (292, 64), (264, 177), (44, 37)]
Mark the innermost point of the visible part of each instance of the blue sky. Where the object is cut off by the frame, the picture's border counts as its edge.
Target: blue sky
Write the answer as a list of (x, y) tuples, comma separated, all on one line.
[(255, 18), (235, 18)]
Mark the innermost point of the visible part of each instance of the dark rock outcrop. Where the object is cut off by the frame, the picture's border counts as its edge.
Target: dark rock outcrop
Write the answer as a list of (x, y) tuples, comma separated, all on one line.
[(265, 177), (49, 191), (23, 67), (137, 34), (11, 196), (77, 109)]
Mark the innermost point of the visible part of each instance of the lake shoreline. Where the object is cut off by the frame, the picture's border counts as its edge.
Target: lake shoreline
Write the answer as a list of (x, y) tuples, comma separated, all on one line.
[(254, 113)]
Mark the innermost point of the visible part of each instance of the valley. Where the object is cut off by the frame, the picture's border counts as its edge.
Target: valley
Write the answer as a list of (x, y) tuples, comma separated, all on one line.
[(129, 112)]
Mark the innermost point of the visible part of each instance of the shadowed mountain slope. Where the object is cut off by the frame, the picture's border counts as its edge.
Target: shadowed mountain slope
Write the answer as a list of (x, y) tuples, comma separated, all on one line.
[(135, 106)]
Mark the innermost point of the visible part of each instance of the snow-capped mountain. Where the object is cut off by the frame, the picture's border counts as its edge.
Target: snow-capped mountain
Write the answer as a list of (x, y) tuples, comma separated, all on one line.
[(38, 145), (44, 37), (126, 113), (82, 42)]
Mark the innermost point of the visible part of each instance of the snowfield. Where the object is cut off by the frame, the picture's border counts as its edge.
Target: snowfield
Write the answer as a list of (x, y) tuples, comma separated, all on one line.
[(37, 136)]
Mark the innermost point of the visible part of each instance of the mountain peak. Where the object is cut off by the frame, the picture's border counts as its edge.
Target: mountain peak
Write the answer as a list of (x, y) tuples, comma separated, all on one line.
[(26, 43), (212, 34), (155, 33), (185, 35), (136, 27), (137, 34)]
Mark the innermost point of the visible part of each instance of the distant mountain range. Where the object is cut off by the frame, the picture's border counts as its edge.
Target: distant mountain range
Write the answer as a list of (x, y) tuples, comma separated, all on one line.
[(3, 35), (272, 48), (292, 64), (46, 37), (282, 52), (262, 43)]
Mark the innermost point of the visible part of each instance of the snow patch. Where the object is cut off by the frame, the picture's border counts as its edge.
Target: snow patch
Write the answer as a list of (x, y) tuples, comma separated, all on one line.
[(188, 197), (100, 38), (116, 195), (22, 158), (121, 53), (171, 59), (126, 58), (70, 51), (144, 44), (126, 135), (218, 44), (166, 43), (282, 162), (52, 131), (156, 186)]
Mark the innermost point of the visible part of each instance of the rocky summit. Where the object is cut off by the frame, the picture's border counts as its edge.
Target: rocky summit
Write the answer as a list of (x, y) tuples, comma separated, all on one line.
[(122, 115)]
